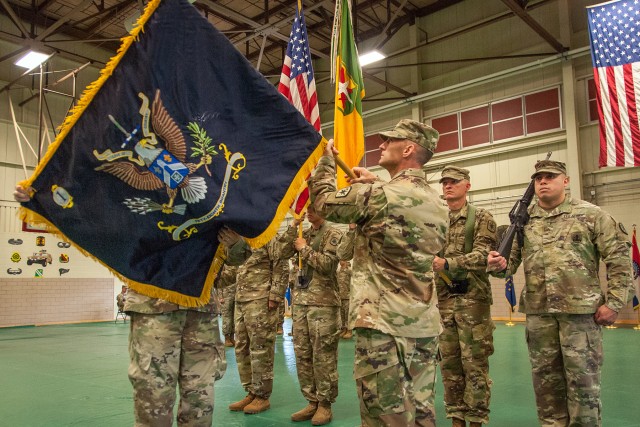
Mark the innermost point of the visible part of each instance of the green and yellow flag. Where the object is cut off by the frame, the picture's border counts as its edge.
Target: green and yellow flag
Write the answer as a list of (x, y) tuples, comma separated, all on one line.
[(348, 131)]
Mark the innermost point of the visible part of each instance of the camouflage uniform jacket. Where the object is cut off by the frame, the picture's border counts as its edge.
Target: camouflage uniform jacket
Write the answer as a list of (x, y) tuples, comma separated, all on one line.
[(346, 246), (402, 225), (344, 282), (226, 281), (256, 271), (561, 255), (473, 265), (319, 264)]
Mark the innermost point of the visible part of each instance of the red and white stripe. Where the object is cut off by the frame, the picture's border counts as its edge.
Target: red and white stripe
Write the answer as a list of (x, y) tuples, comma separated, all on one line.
[(618, 99)]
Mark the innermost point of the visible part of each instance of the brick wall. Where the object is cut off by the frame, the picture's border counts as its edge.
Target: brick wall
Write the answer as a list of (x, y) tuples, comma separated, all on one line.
[(32, 301)]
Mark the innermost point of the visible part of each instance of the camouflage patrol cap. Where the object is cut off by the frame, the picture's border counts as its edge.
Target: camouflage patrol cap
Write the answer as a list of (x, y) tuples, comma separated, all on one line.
[(454, 172), (549, 166), (421, 134)]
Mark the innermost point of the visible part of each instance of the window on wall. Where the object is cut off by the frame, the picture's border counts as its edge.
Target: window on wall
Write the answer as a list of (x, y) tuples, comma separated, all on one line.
[(499, 121), (507, 119), (449, 129), (593, 103), (371, 150), (542, 111), (474, 126)]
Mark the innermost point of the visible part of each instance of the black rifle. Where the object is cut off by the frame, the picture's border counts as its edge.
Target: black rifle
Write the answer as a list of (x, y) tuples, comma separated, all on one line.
[(519, 218)]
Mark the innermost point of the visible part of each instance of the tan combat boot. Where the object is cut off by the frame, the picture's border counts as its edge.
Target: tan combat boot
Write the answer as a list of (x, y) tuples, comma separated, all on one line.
[(239, 405), (347, 335), (280, 331), (257, 405), (306, 413), (323, 415), (228, 341), (457, 422), (475, 424)]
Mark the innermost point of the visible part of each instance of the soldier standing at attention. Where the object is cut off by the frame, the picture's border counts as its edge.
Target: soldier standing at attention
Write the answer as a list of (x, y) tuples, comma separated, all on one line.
[(316, 315), (256, 311), (226, 287), (401, 226), (564, 241), (464, 299)]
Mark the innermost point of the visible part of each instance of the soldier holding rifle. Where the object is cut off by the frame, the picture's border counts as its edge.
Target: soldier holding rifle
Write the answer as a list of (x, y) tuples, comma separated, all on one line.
[(561, 247)]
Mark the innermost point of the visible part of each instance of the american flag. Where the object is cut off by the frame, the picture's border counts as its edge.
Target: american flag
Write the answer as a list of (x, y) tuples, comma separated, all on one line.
[(298, 84), (614, 30)]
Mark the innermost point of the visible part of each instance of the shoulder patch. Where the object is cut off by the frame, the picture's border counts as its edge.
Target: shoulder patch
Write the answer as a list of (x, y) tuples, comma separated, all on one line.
[(491, 226), (334, 241), (621, 227), (343, 193)]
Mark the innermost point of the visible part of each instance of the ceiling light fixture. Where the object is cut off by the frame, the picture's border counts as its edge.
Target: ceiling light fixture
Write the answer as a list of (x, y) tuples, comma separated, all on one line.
[(32, 59), (370, 57)]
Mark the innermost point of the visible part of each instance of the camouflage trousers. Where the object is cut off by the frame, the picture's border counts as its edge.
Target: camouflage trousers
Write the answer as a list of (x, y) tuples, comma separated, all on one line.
[(255, 345), (228, 322), (395, 379), (465, 346), (315, 341), (181, 348), (565, 351), (344, 313)]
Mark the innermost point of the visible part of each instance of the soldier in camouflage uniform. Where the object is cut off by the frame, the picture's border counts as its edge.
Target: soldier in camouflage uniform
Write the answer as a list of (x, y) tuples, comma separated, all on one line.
[(345, 254), (564, 241), (256, 310), (120, 298), (316, 316), (464, 296), (170, 344), (226, 288), (401, 226)]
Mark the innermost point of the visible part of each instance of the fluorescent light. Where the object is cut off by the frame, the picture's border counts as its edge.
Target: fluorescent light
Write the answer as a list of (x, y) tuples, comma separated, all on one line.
[(32, 60), (370, 57)]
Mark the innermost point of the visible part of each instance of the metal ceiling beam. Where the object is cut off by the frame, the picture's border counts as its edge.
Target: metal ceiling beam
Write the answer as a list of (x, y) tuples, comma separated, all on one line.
[(52, 29), (14, 53), (14, 18), (42, 20), (535, 26)]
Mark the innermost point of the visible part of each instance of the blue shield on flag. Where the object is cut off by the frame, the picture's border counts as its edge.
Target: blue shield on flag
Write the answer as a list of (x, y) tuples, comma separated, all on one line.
[(179, 137)]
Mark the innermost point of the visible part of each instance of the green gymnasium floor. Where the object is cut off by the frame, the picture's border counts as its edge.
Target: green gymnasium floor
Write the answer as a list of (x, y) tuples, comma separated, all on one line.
[(76, 375)]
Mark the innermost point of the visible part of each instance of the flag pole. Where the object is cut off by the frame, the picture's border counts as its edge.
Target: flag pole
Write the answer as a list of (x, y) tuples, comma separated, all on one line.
[(345, 168), (510, 323)]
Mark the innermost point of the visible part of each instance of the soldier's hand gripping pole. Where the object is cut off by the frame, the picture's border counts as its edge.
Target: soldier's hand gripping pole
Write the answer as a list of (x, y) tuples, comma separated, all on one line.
[(518, 218)]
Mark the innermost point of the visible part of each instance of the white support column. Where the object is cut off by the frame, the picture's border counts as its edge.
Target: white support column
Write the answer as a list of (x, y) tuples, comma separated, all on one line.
[(574, 169), (414, 40)]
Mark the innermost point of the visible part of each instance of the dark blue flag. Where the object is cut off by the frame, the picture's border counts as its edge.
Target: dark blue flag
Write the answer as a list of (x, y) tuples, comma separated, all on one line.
[(510, 292), (179, 136)]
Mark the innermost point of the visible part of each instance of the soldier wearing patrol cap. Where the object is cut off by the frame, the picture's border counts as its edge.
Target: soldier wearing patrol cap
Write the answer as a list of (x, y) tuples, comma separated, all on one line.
[(564, 241), (400, 226), (316, 315), (464, 298)]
